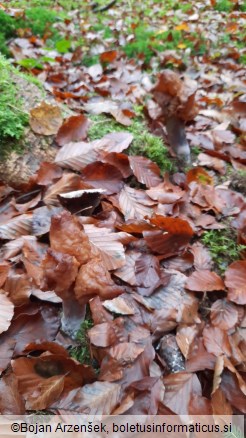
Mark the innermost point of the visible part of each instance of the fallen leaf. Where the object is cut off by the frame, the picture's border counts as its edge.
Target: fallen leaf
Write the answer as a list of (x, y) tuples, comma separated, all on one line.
[(67, 236), (7, 312), (94, 279), (216, 341), (45, 119), (145, 171), (224, 315), (235, 280), (204, 281), (73, 129)]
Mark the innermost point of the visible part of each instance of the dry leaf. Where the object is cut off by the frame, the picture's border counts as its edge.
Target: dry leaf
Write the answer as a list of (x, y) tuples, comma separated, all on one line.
[(45, 119)]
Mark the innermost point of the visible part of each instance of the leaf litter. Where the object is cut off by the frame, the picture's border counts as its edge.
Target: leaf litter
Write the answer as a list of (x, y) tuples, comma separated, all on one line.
[(104, 235)]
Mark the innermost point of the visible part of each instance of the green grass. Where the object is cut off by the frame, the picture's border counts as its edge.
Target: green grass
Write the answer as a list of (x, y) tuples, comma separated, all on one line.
[(82, 351), (12, 118), (144, 143), (223, 247)]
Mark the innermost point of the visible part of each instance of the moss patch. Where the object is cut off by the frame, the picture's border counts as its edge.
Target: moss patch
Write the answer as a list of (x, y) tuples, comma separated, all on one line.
[(223, 247), (82, 351), (12, 117)]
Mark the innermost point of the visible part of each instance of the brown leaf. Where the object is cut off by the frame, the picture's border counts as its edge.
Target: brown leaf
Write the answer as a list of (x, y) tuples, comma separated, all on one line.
[(127, 272), (108, 56), (173, 237), (202, 258), (205, 281), (94, 279), (46, 393), (199, 358), (232, 392), (223, 314), (148, 274), (19, 288), (107, 334), (178, 390), (98, 398), (59, 272), (126, 352), (145, 171), (220, 405), (45, 119), (199, 175), (76, 155), (7, 311), (135, 204), (67, 236), (235, 281), (216, 341), (73, 129), (103, 176), (11, 402), (41, 324), (185, 336), (108, 245), (16, 227), (120, 305), (47, 174), (4, 270), (67, 183)]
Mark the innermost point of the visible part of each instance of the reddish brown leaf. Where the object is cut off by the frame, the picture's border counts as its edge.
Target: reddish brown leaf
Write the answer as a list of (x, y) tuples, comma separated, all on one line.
[(108, 56), (59, 272), (205, 281), (145, 171), (235, 281), (220, 405), (73, 129), (67, 236), (94, 279), (119, 160), (4, 269), (67, 183), (19, 288), (223, 314), (45, 119), (199, 358), (216, 341), (47, 174), (103, 176), (200, 406), (199, 175), (176, 236)]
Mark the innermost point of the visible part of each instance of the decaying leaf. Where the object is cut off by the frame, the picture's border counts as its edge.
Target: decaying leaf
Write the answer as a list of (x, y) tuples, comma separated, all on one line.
[(46, 119)]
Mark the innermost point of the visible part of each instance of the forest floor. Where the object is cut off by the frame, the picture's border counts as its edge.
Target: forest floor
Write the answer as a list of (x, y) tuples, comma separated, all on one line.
[(123, 269)]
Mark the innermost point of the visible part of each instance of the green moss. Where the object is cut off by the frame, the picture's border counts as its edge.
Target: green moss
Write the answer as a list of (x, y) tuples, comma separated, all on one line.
[(223, 247), (144, 143), (40, 20), (12, 118), (223, 6), (82, 351)]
